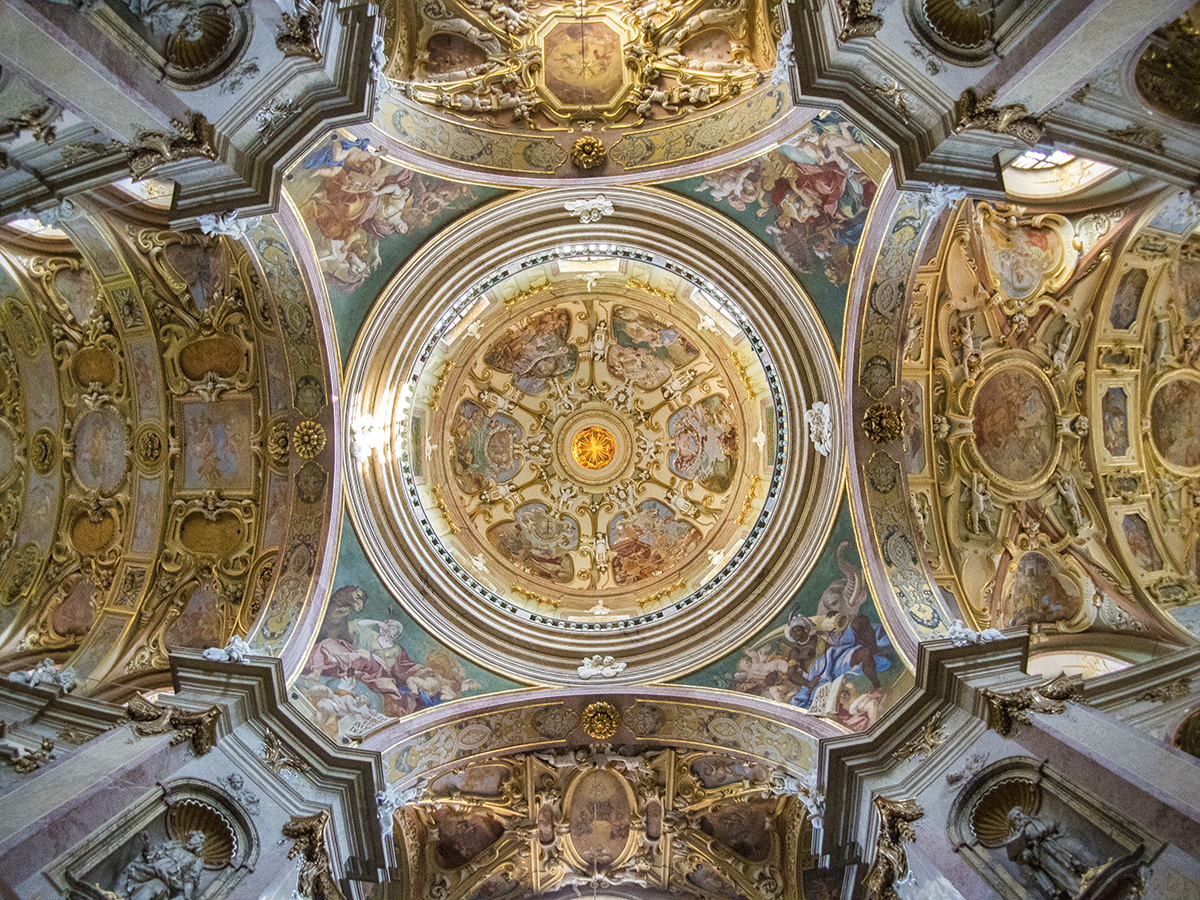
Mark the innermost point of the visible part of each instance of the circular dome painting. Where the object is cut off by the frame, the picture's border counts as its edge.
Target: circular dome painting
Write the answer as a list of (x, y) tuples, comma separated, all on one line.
[(582, 445), (592, 440), (1175, 422)]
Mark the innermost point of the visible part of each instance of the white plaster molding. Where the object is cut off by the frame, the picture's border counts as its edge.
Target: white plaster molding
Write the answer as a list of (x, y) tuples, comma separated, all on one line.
[(960, 635), (589, 211), (228, 224), (46, 672), (235, 651), (813, 799), (600, 666), (820, 426)]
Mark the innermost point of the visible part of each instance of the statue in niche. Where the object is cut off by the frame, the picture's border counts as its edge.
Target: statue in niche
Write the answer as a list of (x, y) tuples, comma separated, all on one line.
[(170, 871), (1041, 850)]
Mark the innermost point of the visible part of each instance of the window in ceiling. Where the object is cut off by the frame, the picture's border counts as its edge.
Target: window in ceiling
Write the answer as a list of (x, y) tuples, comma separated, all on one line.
[(1042, 159), (1048, 172)]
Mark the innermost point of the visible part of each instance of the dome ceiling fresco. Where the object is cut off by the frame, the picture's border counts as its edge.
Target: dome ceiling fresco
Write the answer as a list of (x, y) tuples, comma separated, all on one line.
[(589, 441), (601, 439)]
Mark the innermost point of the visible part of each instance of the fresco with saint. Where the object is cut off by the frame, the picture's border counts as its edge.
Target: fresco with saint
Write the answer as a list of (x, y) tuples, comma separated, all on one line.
[(538, 541), (827, 652), (644, 351), (536, 351), (648, 541), (484, 447), (352, 198), (371, 663), (705, 443), (809, 197)]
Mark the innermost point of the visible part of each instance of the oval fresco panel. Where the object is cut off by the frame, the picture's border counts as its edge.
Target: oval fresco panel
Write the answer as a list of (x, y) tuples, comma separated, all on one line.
[(1128, 298), (1014, 424), (538, 542), (1114, 415), (648, 542), (73, 617), (1037, 593), (705, 443), (1185, 280), (599, 816), (484, 447), (100, 450), (1175, 422), (1141, 542), (584, 65)]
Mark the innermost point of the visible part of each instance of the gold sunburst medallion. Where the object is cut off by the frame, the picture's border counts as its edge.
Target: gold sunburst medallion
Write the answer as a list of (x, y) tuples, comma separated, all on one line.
[(594, 447)]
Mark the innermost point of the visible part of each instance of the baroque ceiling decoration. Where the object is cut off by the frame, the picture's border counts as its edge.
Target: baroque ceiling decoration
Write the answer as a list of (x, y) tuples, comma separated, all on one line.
[(148, 484), (1046, 382), (520, 87), (606, 451), (709, 825), (592, 437)]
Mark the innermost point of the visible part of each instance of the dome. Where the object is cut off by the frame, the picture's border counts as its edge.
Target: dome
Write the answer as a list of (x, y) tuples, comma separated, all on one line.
[(578, 438)]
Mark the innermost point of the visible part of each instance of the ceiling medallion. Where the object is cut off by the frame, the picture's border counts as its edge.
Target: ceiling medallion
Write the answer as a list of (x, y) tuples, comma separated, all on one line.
[(594, 447), (589, 442), (588, 152), (882, 423)]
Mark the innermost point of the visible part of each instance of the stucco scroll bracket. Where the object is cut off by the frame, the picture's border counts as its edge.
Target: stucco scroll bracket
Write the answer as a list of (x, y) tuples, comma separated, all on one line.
[(150, 719), (896, 818), (1006, 709)]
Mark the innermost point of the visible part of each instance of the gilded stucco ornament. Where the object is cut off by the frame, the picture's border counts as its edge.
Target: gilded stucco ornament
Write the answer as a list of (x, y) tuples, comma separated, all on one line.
[(882, 423), (309, 835), (601, 720), (150, 149), (588, 152), (974, 112), (896, 818), (300, 32), (1007, 709), (931, 736), (26, 762), (43, 452), (278, 758), (308, 439), (199, 728), (858, 19)]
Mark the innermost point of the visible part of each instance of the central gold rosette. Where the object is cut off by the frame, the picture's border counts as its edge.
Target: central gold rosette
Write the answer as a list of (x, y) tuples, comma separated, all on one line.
[(594, 447)]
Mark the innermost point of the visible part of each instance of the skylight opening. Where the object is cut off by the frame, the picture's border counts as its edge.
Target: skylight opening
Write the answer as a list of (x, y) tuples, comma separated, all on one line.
[(1042, 159)]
